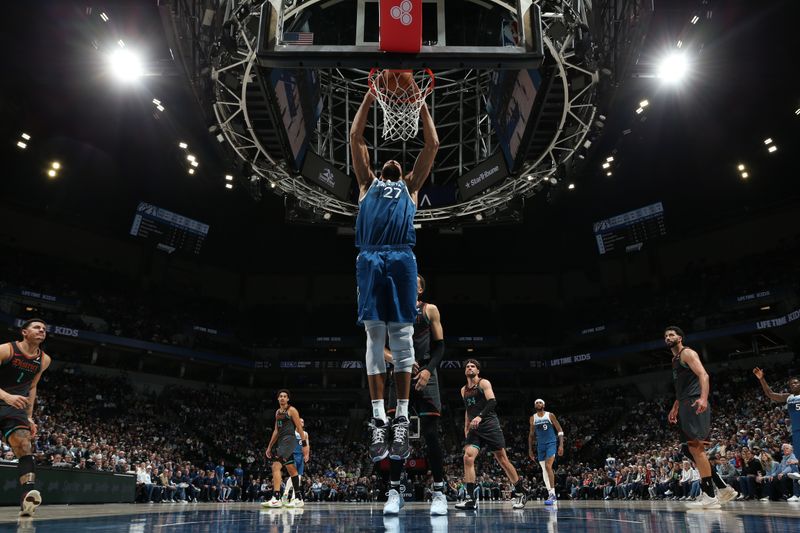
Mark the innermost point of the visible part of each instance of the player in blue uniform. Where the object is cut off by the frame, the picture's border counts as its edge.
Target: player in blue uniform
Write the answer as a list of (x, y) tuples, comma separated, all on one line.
[(299, 462), (544, 427), (386, 273), (792, 399)]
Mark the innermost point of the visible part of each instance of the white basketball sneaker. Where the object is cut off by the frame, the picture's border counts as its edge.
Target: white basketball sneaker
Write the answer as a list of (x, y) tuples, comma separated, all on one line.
[(438, 504)]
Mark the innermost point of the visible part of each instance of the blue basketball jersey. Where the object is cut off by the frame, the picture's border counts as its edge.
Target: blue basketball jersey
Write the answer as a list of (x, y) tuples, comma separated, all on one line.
[(545, 432), (386, 215), (793, 404), (299, 448)]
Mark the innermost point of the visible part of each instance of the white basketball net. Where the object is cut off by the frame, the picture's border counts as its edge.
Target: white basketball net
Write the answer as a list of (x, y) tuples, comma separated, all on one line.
[(400, 105)]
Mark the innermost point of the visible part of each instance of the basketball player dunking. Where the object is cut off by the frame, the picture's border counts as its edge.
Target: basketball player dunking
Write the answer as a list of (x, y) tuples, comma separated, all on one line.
[(482, 430), (287, 419), (544, 427), (428, 352), (386, 273), (692, 411), (21, 365)]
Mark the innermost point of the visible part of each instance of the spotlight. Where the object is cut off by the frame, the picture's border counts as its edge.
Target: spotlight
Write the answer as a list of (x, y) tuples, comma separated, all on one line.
[(606, 164), (610, 158), (52, 173), (104, 17), (571, 186), (121, 43), (26, 136), (220, 137), (228, 177), (768, 140), (741, 166), (272, 184), (695, 19), (608, 173), (797, 111), (478, 217), (183, 145), (126, 66), (56, 165), (191, 171), (553, 181), (22, 144), (639, 110), (772, 148), (190, 157), (195, 163), (644, 103), (229, 185), (745, 175), (680, 44), (673, 68), (326, 215), (160, 108), (529, 177), (156, 101)]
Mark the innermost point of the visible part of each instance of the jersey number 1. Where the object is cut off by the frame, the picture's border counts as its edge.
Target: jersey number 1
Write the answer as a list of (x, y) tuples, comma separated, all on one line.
[(21, 375)]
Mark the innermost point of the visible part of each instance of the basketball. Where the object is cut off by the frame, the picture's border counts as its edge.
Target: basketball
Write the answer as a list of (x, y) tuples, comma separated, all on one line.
[(400, 83)]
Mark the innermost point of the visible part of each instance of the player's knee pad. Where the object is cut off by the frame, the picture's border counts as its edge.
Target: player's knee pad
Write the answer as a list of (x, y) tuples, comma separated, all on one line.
[(26, 465), (376, 340), (401, 342)]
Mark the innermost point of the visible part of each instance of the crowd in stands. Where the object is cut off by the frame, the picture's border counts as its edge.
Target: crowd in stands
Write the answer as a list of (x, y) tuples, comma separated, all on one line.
[(168, 440)]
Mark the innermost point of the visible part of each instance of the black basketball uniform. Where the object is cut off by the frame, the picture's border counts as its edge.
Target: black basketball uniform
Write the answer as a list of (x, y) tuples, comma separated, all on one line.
[(687, 389), (286, 443), (16, 375), (427, 401), (488, 435)]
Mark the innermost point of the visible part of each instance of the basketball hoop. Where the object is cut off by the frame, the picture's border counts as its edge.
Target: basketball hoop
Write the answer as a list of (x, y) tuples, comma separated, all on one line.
[(401, 94)]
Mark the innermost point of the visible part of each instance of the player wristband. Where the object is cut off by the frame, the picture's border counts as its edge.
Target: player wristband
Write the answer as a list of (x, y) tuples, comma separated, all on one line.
[(560, 433)]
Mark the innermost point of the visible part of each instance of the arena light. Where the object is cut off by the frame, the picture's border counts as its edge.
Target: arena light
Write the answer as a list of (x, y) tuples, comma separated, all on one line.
[(126, 65), (56, 165), (228, 177), (156, 101), (191, 171), (571, 186), (797, 111), (160, 108), (52, 173), (741, 166), (673, 68), (608, 173), (194, 163), (768, 140), (606, 164), (190, 157), (529, 177), (104, 17), (680, 44), (326, 216), (182, 145), (610, 158), (772, 149), (695, 19), (121, 43), (644, 103), (229, 185), (745, 175), (639, 110), (272, 184), (22, 145), (478, 217), (26, 136)]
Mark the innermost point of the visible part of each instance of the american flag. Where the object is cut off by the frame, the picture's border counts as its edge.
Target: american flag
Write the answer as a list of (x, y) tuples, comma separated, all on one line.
[(298, 37)]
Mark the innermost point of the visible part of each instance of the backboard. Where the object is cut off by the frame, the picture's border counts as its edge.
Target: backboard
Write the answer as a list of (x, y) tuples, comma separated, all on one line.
[(455, 34)]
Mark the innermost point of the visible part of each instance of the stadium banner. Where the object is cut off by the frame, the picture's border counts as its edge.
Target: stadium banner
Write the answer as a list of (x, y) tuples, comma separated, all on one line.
[(70, 485), (136, 344)]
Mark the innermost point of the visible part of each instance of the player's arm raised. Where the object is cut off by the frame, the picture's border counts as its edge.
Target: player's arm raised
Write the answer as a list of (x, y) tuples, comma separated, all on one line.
[(422, 166), (560, 431), (774, 396), (691, 358), (358, 146)]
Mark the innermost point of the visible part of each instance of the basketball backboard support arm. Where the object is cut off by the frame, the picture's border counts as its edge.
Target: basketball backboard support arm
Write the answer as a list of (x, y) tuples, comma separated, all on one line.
[(274, 50)]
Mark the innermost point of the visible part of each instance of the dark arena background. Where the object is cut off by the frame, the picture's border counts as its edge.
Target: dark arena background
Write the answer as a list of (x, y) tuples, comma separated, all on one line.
[(178, 209)]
